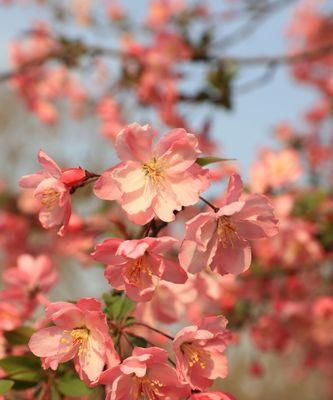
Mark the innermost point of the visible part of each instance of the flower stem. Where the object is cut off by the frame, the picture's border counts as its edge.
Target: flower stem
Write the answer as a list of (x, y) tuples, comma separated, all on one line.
[(216, 209), (154, 329)]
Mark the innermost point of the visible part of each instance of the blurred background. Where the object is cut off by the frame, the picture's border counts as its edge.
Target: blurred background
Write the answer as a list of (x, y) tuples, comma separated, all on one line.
[(253, 78)]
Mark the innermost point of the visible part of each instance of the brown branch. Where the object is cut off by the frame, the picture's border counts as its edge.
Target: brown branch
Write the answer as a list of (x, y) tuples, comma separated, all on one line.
[(247, 61), (257, 82), (258, 12), (154, 330), (280, 59)]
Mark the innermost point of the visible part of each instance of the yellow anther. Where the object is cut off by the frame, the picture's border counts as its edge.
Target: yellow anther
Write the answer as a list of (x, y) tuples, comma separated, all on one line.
[(195, 355), (148, 388), (154, 170), (226, 231), (135, 272), (50, 198), (80, 338)]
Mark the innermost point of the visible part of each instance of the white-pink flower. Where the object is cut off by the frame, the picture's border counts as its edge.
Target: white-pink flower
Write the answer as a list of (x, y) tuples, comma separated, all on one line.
[(80, 332), (32, 274), (199, 351), (220, 240), (144, 375), (137, 266), (155, 181), (52, 188)]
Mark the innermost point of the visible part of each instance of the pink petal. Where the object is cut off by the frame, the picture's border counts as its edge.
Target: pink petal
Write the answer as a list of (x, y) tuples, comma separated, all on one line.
[(165, 203), (130, 177), (132, 365), (133, 248), (45, 342), (106, 188), (105, 252), (234, 190), (113, 275), (49, 164), (134, 143), (173, 272), (233, 260), (139, 201), (33, 180)]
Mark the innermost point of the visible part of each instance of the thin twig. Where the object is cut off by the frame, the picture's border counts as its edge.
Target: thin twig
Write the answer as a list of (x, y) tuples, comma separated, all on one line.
[(216, 209), (154, 330)]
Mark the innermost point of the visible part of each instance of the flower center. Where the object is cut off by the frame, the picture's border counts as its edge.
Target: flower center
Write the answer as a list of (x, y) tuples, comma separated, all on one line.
[(148, 388), (136, 271), (80, 338), (50, 198), (154, 170), (195, 355), (226, 231)]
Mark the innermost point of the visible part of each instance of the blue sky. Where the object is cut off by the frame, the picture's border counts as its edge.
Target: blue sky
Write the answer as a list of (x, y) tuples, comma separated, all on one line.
[(249, 125)]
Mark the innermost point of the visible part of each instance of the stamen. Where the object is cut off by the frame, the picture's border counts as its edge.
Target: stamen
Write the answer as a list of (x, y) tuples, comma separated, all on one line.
[(80, 338), (50, 198), (226, 231), (195, 355), (134, 272), (148, 388), (153, 169)]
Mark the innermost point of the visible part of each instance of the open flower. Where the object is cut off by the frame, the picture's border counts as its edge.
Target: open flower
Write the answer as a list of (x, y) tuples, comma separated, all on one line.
[(145, 374), (80, 332), (32, 274), (136, 266), (220, 240), (154, 182), (274, 170), (52, 188), (199, 352)]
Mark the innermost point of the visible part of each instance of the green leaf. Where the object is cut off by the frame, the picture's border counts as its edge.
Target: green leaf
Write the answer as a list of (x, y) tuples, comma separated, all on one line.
[(210, 160), (23, 368), (5, 386), (118, 306), (19, 336), (55, 395), (139, 341), (72, 386)]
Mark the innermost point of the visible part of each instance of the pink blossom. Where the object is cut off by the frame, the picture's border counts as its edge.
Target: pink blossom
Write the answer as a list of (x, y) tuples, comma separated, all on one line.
[(160, 11), (199, 352), (33, 274), (149, 183), (322, 316), (220, 240), (169, 303), (145, 374), (274, 170), (52, 188), (212, 396), (80, 332), (10, 317), (136, 266)]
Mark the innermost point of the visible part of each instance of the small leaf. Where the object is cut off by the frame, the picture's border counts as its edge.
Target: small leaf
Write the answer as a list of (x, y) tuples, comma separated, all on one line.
[(23, 368), (139, 341), (55, 395), (19, 336), (210, 160), (5, 386), (72, 386), (118, 306)]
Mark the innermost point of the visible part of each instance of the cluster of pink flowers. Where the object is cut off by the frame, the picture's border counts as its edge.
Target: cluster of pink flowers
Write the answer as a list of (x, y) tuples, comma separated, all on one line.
[(151, 184), (257, 257), (42, 86)]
